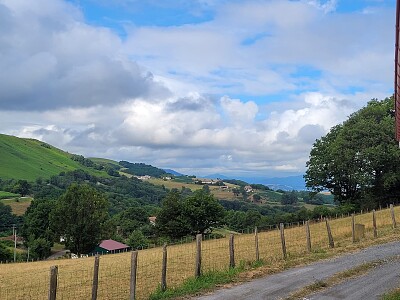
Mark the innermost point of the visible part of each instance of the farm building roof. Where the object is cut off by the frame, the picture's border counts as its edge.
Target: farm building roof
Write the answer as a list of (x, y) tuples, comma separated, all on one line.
[(112, 245)]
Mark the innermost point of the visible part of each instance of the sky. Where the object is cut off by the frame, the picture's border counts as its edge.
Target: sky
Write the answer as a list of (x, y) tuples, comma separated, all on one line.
[(239, 88)]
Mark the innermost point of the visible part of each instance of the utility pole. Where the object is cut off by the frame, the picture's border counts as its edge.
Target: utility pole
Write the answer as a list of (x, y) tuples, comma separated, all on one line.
[(15, 242)]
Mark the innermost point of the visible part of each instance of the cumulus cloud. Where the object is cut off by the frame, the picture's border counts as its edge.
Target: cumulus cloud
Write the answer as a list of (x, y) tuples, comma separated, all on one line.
[(246, 92), (51, 58)]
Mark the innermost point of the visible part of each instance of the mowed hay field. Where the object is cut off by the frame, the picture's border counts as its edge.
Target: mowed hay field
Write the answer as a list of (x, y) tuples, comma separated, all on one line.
[(31, 280), (18, 207)]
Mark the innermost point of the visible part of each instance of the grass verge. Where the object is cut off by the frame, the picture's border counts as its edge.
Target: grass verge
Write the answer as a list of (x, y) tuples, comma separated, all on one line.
[(393, 295), (207, 281)]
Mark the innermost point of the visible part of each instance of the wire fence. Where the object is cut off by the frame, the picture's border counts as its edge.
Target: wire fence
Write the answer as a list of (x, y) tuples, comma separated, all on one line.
[(76, 276)]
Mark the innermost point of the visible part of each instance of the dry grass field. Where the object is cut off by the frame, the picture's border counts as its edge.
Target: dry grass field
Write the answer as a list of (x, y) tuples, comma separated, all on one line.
[(18, 207), (31, 280), (215, 190)]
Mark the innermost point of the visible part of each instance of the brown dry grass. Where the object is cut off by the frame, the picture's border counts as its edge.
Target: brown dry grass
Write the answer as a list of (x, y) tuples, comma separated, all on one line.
[(30, 280), (20, 207)]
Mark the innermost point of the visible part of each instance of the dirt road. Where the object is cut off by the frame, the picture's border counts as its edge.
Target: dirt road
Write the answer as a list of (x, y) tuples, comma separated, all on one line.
[(370, 286)]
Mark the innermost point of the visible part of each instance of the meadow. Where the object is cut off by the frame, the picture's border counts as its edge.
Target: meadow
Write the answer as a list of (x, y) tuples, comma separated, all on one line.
[(31, 280), (18, 204), (30, 159), (7, 195)]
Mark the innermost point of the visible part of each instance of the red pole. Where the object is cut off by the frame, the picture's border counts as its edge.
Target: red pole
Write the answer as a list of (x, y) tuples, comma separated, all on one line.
[(397, 73)]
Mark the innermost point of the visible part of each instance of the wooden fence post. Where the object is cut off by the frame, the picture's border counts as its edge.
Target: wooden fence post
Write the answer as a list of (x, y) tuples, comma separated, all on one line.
[(232, 251), (308, 236), (134, 256), (282, 229), (330, 238), (197, 271), (353, 228), (164, 269), (53, 283), (256, 244), (374, 224), (393, 216), (95, 277)]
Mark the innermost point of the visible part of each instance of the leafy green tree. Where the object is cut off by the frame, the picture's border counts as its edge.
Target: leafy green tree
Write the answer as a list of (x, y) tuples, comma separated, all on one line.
[(235, 191), (81, 216), (202, 212), (131, 219), (39, 248), (37, 221), (36, 230), (256, 197), (137, 240), (359, 160), (7, 218), (22, 187), (289, 198), (171, 220), (5, 253), (194, 214)]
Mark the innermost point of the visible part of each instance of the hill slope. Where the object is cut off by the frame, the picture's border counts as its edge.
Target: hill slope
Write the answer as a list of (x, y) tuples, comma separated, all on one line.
[(29, 159)]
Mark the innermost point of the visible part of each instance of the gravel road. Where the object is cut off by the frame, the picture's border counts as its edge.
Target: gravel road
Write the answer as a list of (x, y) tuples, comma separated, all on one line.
[(280, 285)]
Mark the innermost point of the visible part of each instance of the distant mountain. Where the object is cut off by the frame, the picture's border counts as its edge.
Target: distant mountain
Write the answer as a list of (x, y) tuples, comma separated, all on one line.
[(215, 176), (175, 173), (284, 183)]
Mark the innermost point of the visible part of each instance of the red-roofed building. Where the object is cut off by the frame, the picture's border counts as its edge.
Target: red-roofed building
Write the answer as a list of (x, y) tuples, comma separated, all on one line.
[(110, 246)]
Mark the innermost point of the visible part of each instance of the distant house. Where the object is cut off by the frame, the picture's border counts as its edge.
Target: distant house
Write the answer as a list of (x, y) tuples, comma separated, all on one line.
[(248, 189), (145, 177), (152, 220), (110, 246)]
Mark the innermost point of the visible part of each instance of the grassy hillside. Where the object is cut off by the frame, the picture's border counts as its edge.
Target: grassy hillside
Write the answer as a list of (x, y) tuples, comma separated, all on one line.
[(106, 162), (29, 159)]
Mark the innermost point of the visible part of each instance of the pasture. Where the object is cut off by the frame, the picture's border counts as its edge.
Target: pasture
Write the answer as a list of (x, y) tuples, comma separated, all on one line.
[(18, 205), (30, 280)]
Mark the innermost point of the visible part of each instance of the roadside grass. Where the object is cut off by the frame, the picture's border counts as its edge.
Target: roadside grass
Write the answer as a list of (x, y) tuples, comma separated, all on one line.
[(193, 286), (18, 205), (75, 275), (393, 295)]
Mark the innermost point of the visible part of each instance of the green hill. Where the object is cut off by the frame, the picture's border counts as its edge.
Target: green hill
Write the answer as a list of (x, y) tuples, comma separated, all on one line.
[(29, 159)]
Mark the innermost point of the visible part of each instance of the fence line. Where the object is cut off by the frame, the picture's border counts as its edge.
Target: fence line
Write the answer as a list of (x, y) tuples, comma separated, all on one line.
[(137, 274)]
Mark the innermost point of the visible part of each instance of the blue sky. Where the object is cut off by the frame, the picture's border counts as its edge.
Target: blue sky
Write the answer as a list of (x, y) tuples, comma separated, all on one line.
[(241, 88)]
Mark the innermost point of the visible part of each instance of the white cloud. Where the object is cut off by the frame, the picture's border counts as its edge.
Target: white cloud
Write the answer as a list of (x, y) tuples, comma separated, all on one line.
[(52, 59), (86, 90)]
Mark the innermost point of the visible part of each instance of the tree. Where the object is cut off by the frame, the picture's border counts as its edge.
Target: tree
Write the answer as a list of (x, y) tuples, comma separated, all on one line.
[(202, 211), (38, 235), (137, 240), (171, 220), (359, 160), (131, 219), (289, 198), (235, 191), (194, 214), (5, 253), (39, 248), (7, 218), (80, 216), (22, 187), (37, 221), (256, 197)]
